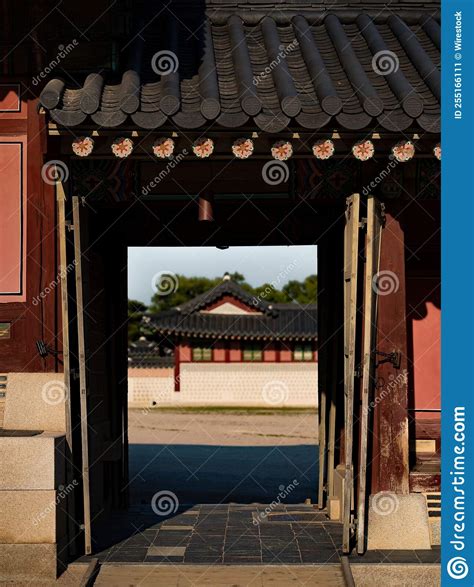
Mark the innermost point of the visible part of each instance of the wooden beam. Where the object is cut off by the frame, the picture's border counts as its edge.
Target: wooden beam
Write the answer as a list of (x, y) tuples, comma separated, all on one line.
[(61, 200), (82, 375)]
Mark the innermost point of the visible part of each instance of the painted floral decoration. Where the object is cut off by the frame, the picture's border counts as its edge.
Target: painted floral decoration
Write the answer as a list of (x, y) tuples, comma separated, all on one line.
[(242, 148), (403, 151), (437, 151), (163, 148), (82, 146), (323, 149), (363, 150), (203, 148), (282, 150), (122, 147)]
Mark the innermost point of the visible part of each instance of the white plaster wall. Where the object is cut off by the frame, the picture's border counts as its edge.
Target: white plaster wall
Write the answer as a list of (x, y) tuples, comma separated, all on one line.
[(231, 384), (145, 392)]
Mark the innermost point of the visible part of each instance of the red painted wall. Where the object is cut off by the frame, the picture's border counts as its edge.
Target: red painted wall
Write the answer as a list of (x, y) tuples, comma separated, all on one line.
[(425, 334), (35, 313), (219, 352), (235, 354), (184, 352), (270, 353)]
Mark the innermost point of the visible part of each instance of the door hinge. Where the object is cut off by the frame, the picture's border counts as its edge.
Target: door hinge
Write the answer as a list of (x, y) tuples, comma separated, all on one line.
[(395, 357)]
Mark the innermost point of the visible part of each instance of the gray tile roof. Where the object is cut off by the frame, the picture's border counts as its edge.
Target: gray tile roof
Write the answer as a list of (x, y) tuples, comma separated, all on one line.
[(282, 65)]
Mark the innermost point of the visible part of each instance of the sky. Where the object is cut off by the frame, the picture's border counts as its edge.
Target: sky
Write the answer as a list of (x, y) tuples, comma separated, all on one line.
[(258, 265)]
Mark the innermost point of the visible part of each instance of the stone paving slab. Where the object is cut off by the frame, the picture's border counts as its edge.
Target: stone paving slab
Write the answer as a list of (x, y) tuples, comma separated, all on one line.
[(220, 576)]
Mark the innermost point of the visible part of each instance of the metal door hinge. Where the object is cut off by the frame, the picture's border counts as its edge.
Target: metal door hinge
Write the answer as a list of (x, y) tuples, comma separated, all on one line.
[(395, 357)]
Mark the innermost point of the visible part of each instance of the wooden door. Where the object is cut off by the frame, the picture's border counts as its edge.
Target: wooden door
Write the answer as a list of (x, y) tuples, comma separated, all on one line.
[(374, 223), (351, 262), (83, 383)]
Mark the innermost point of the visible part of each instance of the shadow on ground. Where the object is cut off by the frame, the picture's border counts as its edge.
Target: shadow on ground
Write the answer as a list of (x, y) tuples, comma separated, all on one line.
[(223, 474)]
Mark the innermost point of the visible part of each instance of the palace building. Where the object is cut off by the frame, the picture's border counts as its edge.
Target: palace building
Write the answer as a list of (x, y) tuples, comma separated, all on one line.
[(227, 348)]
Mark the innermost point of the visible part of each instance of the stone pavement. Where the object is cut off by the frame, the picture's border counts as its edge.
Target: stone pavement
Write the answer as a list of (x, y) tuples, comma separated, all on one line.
[(115, 575), (228, 533), (234, 534)]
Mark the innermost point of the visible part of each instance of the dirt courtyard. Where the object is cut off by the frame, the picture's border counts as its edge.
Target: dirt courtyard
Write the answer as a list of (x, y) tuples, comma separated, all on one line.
[(223, 427), (223, 456)]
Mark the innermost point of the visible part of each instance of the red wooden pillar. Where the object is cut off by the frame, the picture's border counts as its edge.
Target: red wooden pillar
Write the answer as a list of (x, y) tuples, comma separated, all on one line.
[(390, 458), (182, 353)]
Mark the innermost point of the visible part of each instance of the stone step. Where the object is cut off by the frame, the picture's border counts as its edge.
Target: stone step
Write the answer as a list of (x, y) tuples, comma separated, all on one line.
[(30, 563)]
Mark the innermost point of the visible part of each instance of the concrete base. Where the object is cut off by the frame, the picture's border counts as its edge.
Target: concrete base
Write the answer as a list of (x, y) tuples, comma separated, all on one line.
[(30, 563), (30, 517), (413, 575), (34, 462), (35, 401), (334, 508), (398, 522), (435, 531)]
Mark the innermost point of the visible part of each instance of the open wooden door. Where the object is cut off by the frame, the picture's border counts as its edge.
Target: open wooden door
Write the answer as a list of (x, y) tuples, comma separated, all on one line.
[(361, 264), (351, 262), (76, 214), (374, 225)]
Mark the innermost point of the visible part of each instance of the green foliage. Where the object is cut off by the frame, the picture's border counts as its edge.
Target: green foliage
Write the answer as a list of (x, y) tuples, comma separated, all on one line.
[(136, 310), (302, 292)]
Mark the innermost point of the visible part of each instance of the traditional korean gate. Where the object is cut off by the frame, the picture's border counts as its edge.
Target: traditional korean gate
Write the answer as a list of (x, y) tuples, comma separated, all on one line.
[(360, 308)]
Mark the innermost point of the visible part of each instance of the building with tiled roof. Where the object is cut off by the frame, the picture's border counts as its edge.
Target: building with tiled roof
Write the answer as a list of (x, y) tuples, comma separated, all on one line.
[(219, 336)]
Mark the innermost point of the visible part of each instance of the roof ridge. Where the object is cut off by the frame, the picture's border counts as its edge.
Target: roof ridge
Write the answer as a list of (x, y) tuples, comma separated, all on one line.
[(229, 287)]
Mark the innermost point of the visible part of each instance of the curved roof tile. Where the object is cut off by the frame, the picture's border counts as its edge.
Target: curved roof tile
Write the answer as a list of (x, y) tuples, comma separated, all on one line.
[(274, 73)]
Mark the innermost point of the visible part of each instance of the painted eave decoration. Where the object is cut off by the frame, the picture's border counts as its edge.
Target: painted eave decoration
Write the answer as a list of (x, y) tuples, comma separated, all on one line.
[(363, 150), (242, 148), (83, 146), (163, 147), (122, 147), (323, 149), (282, 150), (403, 151), (237, 84), (203, 147)]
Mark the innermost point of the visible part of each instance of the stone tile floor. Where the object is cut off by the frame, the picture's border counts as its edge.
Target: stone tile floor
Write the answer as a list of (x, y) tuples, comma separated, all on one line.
[(232, 534)]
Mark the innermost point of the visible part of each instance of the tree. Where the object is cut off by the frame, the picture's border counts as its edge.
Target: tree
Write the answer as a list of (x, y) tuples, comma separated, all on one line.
[(136, 310), (302, 292)]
